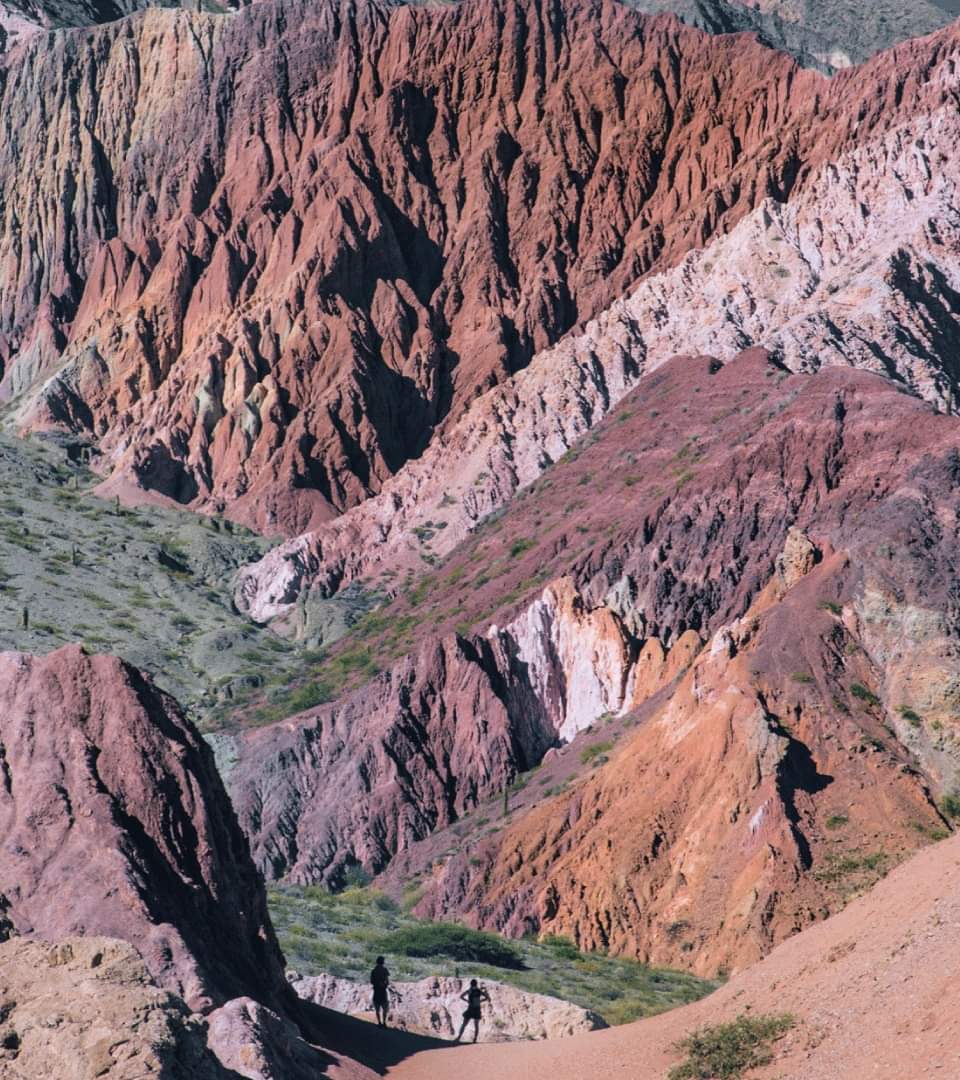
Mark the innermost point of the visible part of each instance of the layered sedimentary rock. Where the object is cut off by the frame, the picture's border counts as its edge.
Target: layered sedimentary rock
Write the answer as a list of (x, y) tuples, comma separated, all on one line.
[(433, 1006), (115, 823), (409, 753), (261, 278), (819, 281), (753, 802), (834, 497)]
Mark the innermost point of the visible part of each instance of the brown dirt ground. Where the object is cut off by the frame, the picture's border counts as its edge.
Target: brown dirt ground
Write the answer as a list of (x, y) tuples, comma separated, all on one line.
[(875, 990)]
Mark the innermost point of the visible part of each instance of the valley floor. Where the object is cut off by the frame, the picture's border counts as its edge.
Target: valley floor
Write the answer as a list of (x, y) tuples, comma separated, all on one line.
[(875, 991)]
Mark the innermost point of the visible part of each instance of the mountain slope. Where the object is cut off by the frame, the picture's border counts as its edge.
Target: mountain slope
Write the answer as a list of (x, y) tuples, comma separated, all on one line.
[(819, 282), (116, 824), (663, 538), (273, 307), (826, 33), (828, 36), (873, 990)]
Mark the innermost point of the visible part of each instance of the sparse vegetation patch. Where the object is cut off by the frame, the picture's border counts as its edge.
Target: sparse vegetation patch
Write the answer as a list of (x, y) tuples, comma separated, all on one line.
[(591, 754), (727, 1051), (338, 933)]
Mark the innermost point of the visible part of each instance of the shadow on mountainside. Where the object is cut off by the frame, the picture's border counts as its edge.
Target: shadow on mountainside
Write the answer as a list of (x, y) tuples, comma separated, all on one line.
[(375, 1047)]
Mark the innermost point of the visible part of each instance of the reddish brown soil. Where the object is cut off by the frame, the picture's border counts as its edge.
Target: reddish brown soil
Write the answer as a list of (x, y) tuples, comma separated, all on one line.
[(874, 990)]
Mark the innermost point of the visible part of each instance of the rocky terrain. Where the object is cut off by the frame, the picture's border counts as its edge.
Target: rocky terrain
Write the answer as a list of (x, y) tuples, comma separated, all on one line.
[(23, 19), (230, 335), (817, 281), (135, 935), (433, 1007), (87, 1007), (827, 34), (872, 992), (524, 435), (797, 532), (117, 803)]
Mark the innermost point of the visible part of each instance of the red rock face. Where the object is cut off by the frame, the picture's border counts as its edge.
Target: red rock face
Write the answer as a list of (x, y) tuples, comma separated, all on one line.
[(263, 274), (358, 781), (114, 822), (798, 533), (752, 802)]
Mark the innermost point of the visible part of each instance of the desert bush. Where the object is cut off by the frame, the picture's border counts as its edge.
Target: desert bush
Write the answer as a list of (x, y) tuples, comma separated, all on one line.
[(726, 1051), (838, 868), (306, 697), (860, 692), (591, 753), (519, 546), (454, 942), (914, 719)]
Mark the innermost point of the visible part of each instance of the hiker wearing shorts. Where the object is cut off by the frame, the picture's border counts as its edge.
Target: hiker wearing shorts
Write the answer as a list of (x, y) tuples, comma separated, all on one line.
[(475, 996), (380, 981)]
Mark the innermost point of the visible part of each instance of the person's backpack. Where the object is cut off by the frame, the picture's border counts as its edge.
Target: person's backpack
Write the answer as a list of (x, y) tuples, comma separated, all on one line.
[(379, 977)]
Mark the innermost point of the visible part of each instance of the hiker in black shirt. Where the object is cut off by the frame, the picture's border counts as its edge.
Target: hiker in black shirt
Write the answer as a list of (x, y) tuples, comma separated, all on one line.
[(380, 981), (474, 997)]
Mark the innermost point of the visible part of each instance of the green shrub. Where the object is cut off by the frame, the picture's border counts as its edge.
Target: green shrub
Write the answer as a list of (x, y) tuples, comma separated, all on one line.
[(802, 677), (841, 867), (355, 879), (454, 942), (519, 546), (914, 719), (591, 753), (726, 1051), (561, 946), (306, 697), (863, 694), (836, 821), (931, 832), (832, 606), (950, 806)]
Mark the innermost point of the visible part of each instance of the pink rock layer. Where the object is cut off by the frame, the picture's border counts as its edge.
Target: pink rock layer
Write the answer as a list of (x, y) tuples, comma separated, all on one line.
[(262, 260), (115, 823)]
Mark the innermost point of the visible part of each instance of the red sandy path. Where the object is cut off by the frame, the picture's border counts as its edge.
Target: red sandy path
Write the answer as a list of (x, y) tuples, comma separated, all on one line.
[(876, 989)]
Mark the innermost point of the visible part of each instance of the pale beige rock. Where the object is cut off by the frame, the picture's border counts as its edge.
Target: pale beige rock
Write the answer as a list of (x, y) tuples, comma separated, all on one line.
[(797, 559), (579, 659), (87, 1008), (433, 1006), (258, 1044)]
